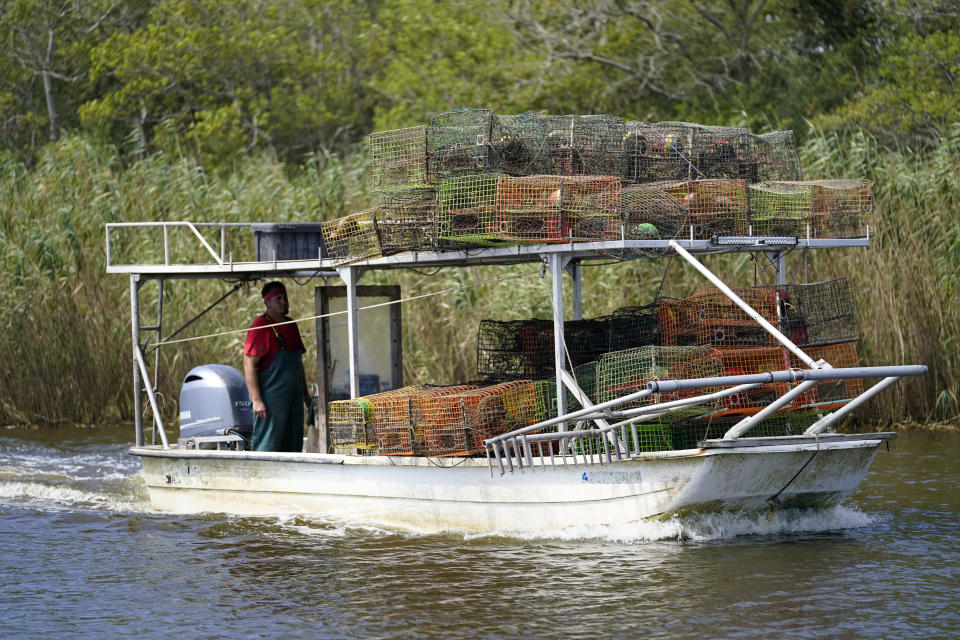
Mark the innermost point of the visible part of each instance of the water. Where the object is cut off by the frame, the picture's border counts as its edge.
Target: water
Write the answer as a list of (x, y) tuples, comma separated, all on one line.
[(82, 555)]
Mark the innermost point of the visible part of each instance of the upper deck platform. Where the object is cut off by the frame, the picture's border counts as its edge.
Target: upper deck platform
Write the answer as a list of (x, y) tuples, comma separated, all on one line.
[(219, 261)]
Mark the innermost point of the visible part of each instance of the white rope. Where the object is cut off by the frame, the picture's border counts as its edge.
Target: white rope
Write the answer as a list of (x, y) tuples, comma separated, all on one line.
[(337, 313)]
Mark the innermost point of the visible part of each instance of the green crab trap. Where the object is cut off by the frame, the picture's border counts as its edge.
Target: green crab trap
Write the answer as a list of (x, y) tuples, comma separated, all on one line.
[(553, 208), (459, 143), (621, 373), (545, 392), (407, 220), (467, 211), (398, 158), (517, 144)]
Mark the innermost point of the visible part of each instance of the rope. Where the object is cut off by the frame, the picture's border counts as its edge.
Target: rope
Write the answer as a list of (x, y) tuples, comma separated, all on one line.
[(337, 313)]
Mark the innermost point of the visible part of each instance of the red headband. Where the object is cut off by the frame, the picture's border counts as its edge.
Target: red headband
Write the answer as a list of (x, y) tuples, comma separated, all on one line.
[(273, 293)]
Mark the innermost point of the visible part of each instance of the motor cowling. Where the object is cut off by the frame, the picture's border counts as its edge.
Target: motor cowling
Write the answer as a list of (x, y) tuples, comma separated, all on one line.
[(214, 401)]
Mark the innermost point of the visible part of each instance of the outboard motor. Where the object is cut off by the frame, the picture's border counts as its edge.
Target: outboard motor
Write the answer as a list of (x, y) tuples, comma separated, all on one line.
[(215, 411)]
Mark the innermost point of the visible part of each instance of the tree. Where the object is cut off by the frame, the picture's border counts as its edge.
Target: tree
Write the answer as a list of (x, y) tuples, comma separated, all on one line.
[(231, 77)]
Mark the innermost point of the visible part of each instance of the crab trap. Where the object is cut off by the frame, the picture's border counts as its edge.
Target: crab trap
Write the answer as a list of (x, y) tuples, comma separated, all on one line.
[(458, 143), (398, 419), (351, 421), (525, 349), (467, 211), (353, 237), (714, 207), (807, 314), (398, 158), (457, 424), (587, 145), (748, 361), (773, 156), (406, 220), (635, 326), (621, 373), (518, 144), (552, 208), (814, 208), (828, 395), (545, 392), (656, 152), (650, 212)]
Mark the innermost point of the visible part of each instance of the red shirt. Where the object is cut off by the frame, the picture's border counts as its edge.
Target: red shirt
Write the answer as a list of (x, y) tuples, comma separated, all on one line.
[(263, 342)]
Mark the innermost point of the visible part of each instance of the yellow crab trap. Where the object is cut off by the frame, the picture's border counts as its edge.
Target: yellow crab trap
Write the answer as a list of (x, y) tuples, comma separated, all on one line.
[(467, 211), (555, 208), (714, 207), (397, 158), (351, 422), (353, 237)]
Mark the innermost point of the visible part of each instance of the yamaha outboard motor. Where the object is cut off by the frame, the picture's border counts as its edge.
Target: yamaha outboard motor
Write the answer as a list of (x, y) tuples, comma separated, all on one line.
[(215, 411)]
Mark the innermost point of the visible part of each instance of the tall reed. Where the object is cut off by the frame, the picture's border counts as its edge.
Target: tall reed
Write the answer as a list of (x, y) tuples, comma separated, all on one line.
[(65, 352)]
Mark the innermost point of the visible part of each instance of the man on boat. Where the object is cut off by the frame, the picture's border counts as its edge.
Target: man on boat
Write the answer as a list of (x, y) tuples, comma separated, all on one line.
[(273, 369)]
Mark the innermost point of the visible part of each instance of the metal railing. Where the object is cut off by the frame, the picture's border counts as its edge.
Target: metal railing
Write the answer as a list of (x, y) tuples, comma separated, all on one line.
[(220, 257), (515, 450)]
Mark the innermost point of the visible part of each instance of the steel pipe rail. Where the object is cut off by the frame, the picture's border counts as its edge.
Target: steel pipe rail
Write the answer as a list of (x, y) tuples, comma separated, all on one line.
[(792, 375)]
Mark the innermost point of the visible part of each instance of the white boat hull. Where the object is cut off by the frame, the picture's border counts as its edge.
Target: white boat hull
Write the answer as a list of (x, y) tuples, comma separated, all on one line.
[(431, 495)]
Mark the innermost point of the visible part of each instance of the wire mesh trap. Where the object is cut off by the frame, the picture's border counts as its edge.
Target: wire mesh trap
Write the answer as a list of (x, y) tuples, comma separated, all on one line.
[(458, 143), (351, 421), (467, 211), (398, 158), (353, 237), (525, 349), (406, 220), (554, 208), (714, 207)]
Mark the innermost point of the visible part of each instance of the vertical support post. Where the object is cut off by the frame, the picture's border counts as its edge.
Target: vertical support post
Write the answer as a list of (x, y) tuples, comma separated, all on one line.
[(156, 355), (135, 331), (350, 275), (557, 264), (573, 268), (317, 433), (781, 258)]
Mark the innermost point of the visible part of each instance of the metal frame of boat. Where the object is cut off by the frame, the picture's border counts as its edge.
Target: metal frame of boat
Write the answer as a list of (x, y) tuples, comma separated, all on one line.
[(530, 480)]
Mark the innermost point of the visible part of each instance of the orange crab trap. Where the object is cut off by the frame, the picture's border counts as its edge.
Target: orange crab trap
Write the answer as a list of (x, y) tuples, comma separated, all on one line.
[(553, 208), (398, 419), (457, 424)]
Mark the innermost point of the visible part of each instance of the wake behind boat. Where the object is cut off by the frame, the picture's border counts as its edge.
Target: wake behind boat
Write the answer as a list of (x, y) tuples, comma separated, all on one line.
[(722, 401)]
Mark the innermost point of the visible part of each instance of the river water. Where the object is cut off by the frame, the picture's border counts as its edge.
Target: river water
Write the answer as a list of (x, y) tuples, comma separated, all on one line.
[(82, 555)]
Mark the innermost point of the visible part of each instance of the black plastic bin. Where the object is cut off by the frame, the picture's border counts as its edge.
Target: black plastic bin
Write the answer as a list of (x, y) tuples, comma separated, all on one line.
[(288, 241)]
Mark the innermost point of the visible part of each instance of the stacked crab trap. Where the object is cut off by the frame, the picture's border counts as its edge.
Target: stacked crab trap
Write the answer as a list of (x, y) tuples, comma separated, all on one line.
[(475, 179)]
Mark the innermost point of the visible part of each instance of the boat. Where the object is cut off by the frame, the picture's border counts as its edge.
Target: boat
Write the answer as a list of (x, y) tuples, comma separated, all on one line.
[(731, 407)]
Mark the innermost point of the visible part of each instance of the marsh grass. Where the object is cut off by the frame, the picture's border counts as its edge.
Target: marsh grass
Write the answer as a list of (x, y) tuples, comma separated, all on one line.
[(65, 342)]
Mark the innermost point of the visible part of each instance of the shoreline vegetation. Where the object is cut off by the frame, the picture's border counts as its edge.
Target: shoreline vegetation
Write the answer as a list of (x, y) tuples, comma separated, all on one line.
[(65, 348)]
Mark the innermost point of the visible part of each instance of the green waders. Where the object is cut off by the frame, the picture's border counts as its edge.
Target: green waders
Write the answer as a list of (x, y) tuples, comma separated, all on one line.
[(281, 386)]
